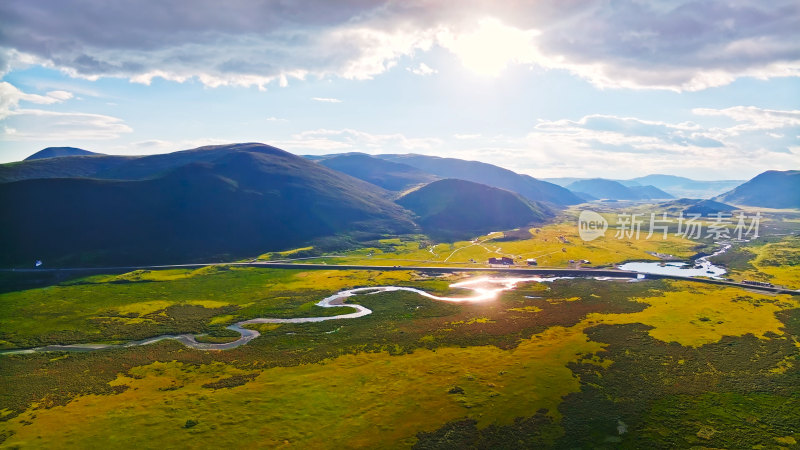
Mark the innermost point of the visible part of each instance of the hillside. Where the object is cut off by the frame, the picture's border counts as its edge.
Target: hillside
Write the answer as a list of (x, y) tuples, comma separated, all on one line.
[(695, 206), (614, 190), (441, 211), (649, 192), (490, 175), (61, 167), (57, 152), (252, 198), (386, 174), (120, 167), (771, 189)]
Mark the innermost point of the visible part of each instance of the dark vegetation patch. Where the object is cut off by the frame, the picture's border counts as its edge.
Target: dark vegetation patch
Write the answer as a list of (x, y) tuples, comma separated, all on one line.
[(537, 431), (651, 384), (520, 234), (218, 336), (661, 395), (736, 258), (231, 382)]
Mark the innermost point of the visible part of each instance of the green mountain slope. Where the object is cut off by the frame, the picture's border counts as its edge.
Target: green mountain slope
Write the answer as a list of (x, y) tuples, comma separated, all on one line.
[(490, 175), (386, 174), (458, 209), (771, 189), (251, 199)]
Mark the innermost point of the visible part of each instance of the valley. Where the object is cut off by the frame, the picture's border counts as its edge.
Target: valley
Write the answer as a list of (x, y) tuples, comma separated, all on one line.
[(272, 300), (518, 365)]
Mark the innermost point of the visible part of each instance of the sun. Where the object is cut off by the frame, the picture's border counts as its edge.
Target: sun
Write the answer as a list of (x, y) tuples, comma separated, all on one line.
[(491, 47)]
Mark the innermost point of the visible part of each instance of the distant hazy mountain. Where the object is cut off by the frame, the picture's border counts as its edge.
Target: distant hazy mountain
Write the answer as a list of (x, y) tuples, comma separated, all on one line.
[(649, 192), (673, 185), (250, 198), (490, 175), (696, 206), (614, 190), (771, 189), (585, 197), (386, 174), (457, 209), (55, 152), (685, 187), (563, 181)]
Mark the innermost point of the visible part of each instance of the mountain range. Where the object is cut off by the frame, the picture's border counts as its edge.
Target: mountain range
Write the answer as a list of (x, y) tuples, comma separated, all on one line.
[(674, 185), (600, 188), (74, 207), (490, 175), (211, 202)]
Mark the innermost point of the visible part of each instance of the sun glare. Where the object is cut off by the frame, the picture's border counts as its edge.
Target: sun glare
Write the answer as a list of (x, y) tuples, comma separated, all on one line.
[(489, 49)]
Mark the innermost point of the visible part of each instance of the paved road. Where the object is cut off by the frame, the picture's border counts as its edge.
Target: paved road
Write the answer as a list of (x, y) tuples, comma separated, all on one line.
[(578, 272)]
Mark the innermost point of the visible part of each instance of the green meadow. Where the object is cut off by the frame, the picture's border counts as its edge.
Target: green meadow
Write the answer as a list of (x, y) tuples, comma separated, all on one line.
[(572, 363)]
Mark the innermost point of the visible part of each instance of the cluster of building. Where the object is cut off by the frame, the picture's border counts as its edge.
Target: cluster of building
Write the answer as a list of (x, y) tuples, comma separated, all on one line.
[(505, 261), (502, 261)]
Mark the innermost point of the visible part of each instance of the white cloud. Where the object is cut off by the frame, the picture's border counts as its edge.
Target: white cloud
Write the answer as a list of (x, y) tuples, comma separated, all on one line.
[(326, 100), (10, 97), (603, 145), (422, 70), (38, 124), (752, 118), (345, 140), (684, 45), (60, 95), (491, 47)]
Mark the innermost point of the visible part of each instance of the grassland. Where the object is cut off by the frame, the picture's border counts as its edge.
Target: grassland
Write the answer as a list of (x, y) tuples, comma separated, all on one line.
[(552, 245), (524, 368), (142, 304), (569, 364)]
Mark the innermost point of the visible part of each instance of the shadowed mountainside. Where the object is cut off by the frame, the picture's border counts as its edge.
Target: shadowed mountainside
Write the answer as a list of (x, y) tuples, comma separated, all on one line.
[(771, 189), (458, 209), (386, 174), (251, 198), (490, 175)]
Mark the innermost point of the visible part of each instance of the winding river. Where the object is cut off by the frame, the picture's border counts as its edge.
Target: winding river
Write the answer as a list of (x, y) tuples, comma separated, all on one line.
[(482, 289)]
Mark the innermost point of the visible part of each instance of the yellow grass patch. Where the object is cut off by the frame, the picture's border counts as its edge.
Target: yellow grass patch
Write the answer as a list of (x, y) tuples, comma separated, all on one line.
[(369, 399), (526, 309), (699, 314)]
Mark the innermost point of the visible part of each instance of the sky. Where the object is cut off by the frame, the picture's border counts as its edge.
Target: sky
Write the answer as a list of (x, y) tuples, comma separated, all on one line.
[(551, 88)]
